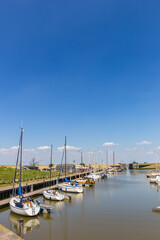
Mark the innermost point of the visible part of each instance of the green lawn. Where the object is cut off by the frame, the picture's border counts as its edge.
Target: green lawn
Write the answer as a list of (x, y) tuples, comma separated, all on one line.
[(7, 175)]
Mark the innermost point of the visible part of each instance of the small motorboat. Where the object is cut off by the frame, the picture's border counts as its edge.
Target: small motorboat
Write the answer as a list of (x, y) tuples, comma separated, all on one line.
[(53, 195)]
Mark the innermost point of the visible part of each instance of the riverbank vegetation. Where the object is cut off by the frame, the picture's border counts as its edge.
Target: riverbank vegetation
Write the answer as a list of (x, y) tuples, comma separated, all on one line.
[(7, 175)]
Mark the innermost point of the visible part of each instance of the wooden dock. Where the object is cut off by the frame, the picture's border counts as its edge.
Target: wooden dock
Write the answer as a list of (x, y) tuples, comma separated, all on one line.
[(45, 185), (5, 202), (6, 234)]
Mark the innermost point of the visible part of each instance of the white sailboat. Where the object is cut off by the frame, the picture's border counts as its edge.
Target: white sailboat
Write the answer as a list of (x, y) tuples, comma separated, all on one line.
[(19, 204), (52, 194), (24, 206), (95, 176), (69, 186)]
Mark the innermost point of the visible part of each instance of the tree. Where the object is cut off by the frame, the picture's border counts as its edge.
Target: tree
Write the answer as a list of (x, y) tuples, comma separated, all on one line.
[(33, 162), (82, 164), (50, 165)]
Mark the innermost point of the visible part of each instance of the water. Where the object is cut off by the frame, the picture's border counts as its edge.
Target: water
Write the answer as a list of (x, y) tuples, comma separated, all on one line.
[(117, 208)]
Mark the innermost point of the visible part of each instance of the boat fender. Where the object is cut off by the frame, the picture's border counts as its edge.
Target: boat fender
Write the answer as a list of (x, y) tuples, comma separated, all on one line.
[(30, 204)]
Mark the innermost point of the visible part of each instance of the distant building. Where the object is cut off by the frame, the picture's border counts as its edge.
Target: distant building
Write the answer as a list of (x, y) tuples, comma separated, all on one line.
[(30, 167), (133, 165), (83, 168), (70, 168)]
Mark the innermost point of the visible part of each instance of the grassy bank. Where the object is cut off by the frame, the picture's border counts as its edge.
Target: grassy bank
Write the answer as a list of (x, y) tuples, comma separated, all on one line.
[(7, 175)]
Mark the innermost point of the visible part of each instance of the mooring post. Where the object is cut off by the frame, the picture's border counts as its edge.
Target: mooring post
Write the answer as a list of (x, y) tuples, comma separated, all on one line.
[(20, 227), (26, 188)]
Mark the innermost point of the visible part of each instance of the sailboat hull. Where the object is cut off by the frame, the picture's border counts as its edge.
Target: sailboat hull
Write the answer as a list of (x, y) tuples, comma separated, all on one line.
[(53, 195), (28, 209), (94, 176), (70, 189)]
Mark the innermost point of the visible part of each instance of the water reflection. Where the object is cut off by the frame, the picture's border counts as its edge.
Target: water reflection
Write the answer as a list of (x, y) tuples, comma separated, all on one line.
[(58, 205), (119, 207), (29, 223), (152, 185), (77, 197), (46, 216)]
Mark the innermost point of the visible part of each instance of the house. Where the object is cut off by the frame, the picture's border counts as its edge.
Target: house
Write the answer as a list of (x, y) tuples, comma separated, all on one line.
[(30, 168), (70, 168)]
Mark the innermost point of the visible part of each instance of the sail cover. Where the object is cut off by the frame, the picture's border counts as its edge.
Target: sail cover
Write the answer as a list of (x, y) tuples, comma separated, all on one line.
[(20, 190), (66, 180)]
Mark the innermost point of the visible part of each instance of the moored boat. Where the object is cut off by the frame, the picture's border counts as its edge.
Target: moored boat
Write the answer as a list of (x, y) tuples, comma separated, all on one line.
[(154, 179), (69, 186), (85, 182), (53, 195), (24, 206), (19, 204), (94, 176)]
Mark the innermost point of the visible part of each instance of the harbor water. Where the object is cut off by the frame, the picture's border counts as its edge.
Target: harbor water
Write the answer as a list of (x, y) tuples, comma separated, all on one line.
[(119, 207)]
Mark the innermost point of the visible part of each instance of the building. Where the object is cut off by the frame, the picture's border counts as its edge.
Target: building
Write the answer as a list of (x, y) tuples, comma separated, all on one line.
[(30, 168), (70, 168)]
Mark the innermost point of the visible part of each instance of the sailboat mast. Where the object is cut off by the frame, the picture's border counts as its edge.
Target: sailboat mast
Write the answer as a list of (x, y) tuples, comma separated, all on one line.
[(21, 154), (51, 160), (14, 193), (113, 158), (65, 153), (81, 161), (106, 158)]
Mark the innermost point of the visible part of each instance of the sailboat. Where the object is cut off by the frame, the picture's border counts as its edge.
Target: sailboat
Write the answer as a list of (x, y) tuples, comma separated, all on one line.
[(21, 205), (69, 186), (95, 176), (86, 182), (52, 194)]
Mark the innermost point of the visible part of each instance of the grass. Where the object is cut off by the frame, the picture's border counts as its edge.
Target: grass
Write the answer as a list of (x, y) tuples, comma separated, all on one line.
[(152, 166), (7, 175)]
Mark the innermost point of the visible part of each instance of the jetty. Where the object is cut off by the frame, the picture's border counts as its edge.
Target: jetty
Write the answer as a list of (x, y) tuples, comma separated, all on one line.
[(33, 189)]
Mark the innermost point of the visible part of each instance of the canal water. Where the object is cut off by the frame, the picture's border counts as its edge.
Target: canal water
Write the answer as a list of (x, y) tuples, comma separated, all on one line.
[(117, 208)]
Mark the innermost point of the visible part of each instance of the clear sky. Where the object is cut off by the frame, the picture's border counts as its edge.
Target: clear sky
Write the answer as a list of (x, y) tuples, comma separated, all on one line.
[(85, 69)]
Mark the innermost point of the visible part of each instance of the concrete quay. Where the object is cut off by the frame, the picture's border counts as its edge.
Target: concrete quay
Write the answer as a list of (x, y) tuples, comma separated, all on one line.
[(6, 234)]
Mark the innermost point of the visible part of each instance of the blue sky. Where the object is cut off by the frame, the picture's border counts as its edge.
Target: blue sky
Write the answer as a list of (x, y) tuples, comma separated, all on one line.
[(85, 69)]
